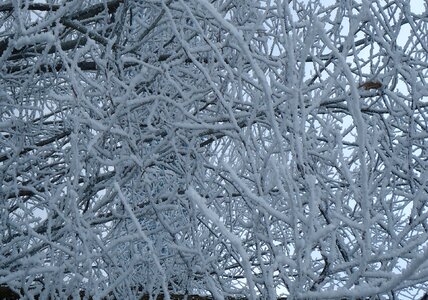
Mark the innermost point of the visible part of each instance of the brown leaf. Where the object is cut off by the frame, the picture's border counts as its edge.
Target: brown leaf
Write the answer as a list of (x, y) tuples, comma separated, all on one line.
[(371, 85)]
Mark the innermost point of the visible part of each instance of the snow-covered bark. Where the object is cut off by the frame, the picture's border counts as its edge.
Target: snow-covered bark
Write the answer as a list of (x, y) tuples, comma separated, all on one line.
[(223, 148)]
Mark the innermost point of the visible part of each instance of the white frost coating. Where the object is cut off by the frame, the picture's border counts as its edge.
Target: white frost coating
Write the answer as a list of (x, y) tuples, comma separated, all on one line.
[(353, 103), (39, 38), (235, 241), (215, 293), (253, 104), (145, 238), (260, 202), (368, 290), (5, 124), (258, 71)]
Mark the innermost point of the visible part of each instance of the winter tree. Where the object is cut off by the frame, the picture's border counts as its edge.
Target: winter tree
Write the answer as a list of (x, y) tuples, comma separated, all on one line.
[(220, 148)]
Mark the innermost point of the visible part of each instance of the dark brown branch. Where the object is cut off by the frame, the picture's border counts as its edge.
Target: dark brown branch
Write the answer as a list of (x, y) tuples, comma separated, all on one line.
[(82, 29), (81, 15), (31, 6), (67, 45), (96, 9), (61, 135), (8, 293), (68, 21)]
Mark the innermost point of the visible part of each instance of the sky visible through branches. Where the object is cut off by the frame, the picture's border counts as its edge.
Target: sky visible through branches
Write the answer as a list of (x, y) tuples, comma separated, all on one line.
[(234, 149)]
